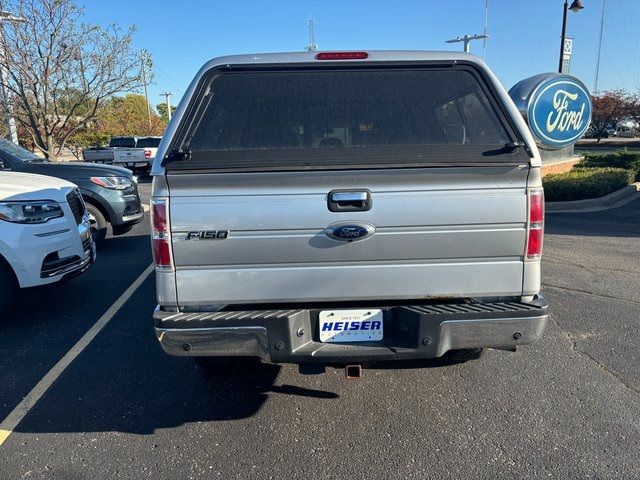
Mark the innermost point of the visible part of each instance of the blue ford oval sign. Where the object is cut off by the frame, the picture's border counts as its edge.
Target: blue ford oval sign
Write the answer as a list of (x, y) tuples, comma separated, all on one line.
[(349, 232), (557, 108)]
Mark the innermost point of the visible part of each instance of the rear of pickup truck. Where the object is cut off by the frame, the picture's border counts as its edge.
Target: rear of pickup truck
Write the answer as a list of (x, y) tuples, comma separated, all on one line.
[(346, 208)]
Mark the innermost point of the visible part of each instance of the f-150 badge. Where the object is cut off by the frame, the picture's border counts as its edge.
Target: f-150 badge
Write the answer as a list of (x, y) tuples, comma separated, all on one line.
[(207, 235)]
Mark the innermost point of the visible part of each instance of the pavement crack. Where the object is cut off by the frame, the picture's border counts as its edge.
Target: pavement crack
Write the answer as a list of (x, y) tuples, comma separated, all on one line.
[(587, 292), (574, 346)]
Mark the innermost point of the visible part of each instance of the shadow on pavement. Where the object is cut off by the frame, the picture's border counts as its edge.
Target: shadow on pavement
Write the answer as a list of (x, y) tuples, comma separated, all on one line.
[(616, 222), (124, 382), (45, 322)]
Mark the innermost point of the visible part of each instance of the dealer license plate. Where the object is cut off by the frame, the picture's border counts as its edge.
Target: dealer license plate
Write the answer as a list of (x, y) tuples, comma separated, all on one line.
[(364, 325)]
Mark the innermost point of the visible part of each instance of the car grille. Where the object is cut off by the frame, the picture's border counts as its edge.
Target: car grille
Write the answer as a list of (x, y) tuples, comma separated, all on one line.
[(74, 199), (86, 244)]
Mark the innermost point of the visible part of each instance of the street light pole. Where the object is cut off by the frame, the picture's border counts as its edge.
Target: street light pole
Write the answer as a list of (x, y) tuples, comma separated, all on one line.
[(564, 35), (4, 75), (575, 7)]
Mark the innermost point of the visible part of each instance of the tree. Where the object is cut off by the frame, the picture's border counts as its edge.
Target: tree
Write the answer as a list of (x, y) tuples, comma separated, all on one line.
[(161, 108), (608, 109), (128, 115), (61, 71)]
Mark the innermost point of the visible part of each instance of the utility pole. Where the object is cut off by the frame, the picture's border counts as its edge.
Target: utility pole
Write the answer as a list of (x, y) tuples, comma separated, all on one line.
[(467, 40), (167, 96), (595, 85), (6, 17), (312, 46), (486, 20), (144, 58)]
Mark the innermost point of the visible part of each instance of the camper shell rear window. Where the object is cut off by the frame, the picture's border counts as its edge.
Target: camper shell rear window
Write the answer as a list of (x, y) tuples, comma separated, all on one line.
[(324, 118)]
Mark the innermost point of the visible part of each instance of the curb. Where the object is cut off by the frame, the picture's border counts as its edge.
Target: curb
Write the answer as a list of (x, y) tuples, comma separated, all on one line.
[(613, 200)]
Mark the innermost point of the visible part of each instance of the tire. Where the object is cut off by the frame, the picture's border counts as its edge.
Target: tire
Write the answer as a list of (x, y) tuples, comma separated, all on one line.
[(7, 288), (99, 224), (227, 364)]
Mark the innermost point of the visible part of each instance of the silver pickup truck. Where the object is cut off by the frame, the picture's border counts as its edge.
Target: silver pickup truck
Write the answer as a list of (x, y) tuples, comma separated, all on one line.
[(346, 208)]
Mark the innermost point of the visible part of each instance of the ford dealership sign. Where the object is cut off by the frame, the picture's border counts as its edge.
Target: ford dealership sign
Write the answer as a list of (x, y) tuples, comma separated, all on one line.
[(557, 108)]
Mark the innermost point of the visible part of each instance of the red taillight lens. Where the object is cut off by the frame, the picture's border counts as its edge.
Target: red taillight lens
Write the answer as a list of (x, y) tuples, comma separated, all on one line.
[(159, 216), (536, 206), (147, 154), (342, 56), (535, 227), (534, 245), (161, 252), (160, 238)]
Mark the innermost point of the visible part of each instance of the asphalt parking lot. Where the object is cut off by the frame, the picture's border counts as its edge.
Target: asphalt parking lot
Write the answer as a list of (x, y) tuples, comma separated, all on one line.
[(567, 407)]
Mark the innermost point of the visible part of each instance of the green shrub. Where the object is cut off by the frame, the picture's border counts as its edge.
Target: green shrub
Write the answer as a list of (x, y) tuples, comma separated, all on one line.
[(582, 183), (618, 159)]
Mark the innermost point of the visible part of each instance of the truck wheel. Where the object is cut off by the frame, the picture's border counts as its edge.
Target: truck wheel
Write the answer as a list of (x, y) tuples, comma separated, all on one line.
[(227, 364), (98, 224), (7, 288)]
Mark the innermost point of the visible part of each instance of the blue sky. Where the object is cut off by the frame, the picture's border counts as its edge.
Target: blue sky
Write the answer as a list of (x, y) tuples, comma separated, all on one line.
[(525, 34)]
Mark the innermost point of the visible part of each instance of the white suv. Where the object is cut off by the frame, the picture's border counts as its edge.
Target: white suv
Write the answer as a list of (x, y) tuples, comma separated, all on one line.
[(45, 236)]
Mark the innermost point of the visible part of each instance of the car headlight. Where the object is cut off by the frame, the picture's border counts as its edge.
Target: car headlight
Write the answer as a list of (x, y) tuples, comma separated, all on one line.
[(114, 183), (30, 211)]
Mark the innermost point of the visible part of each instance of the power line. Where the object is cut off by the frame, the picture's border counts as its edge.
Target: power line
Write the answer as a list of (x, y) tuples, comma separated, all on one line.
[(595, 84)]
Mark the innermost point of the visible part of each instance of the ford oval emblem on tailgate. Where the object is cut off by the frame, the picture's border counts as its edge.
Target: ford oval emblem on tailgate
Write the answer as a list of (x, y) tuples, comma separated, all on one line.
[(349, 232)]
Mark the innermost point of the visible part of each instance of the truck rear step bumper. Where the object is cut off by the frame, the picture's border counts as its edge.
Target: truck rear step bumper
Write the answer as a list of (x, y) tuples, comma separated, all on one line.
[(411, 332)]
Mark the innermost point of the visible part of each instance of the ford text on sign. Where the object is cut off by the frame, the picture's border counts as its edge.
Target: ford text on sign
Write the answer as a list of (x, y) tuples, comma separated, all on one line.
[(557, 108)]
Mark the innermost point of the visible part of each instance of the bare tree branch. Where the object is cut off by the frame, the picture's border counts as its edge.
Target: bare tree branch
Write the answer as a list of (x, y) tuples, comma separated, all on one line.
[(62, 71)]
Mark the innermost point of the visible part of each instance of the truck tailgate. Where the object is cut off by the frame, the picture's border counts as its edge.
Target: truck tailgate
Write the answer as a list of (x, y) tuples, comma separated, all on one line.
[(128, 155), (439, 232)]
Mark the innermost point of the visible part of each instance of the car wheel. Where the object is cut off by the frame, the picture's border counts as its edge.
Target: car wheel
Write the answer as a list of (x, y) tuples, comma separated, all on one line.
[(98, 223), (7, 288)]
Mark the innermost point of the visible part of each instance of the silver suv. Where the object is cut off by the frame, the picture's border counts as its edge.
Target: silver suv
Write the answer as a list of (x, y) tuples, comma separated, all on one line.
[(344, 208)]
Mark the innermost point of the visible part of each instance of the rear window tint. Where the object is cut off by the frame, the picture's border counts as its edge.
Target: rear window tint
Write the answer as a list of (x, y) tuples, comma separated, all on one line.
[(308, 117), (148, 142), (123, 142)]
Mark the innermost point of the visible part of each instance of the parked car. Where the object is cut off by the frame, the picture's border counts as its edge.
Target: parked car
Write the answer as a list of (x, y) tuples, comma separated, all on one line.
[(110, 193), (328, 209), (608, 131), (45, 236), (134, 153)]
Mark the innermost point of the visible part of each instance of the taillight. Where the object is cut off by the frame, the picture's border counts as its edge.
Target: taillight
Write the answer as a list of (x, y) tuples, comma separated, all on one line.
[(342, 56), (147, 154), (160, 234), (535, 227)]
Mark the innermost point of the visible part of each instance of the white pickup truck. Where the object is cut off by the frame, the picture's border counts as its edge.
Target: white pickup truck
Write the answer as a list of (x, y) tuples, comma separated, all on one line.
[(131, 152)]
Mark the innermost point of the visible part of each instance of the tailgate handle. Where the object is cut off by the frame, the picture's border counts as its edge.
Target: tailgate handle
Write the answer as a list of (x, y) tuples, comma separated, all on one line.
[(349, 200)]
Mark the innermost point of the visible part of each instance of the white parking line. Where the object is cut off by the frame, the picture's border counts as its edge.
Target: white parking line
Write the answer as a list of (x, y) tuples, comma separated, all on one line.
[(27, 403)]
